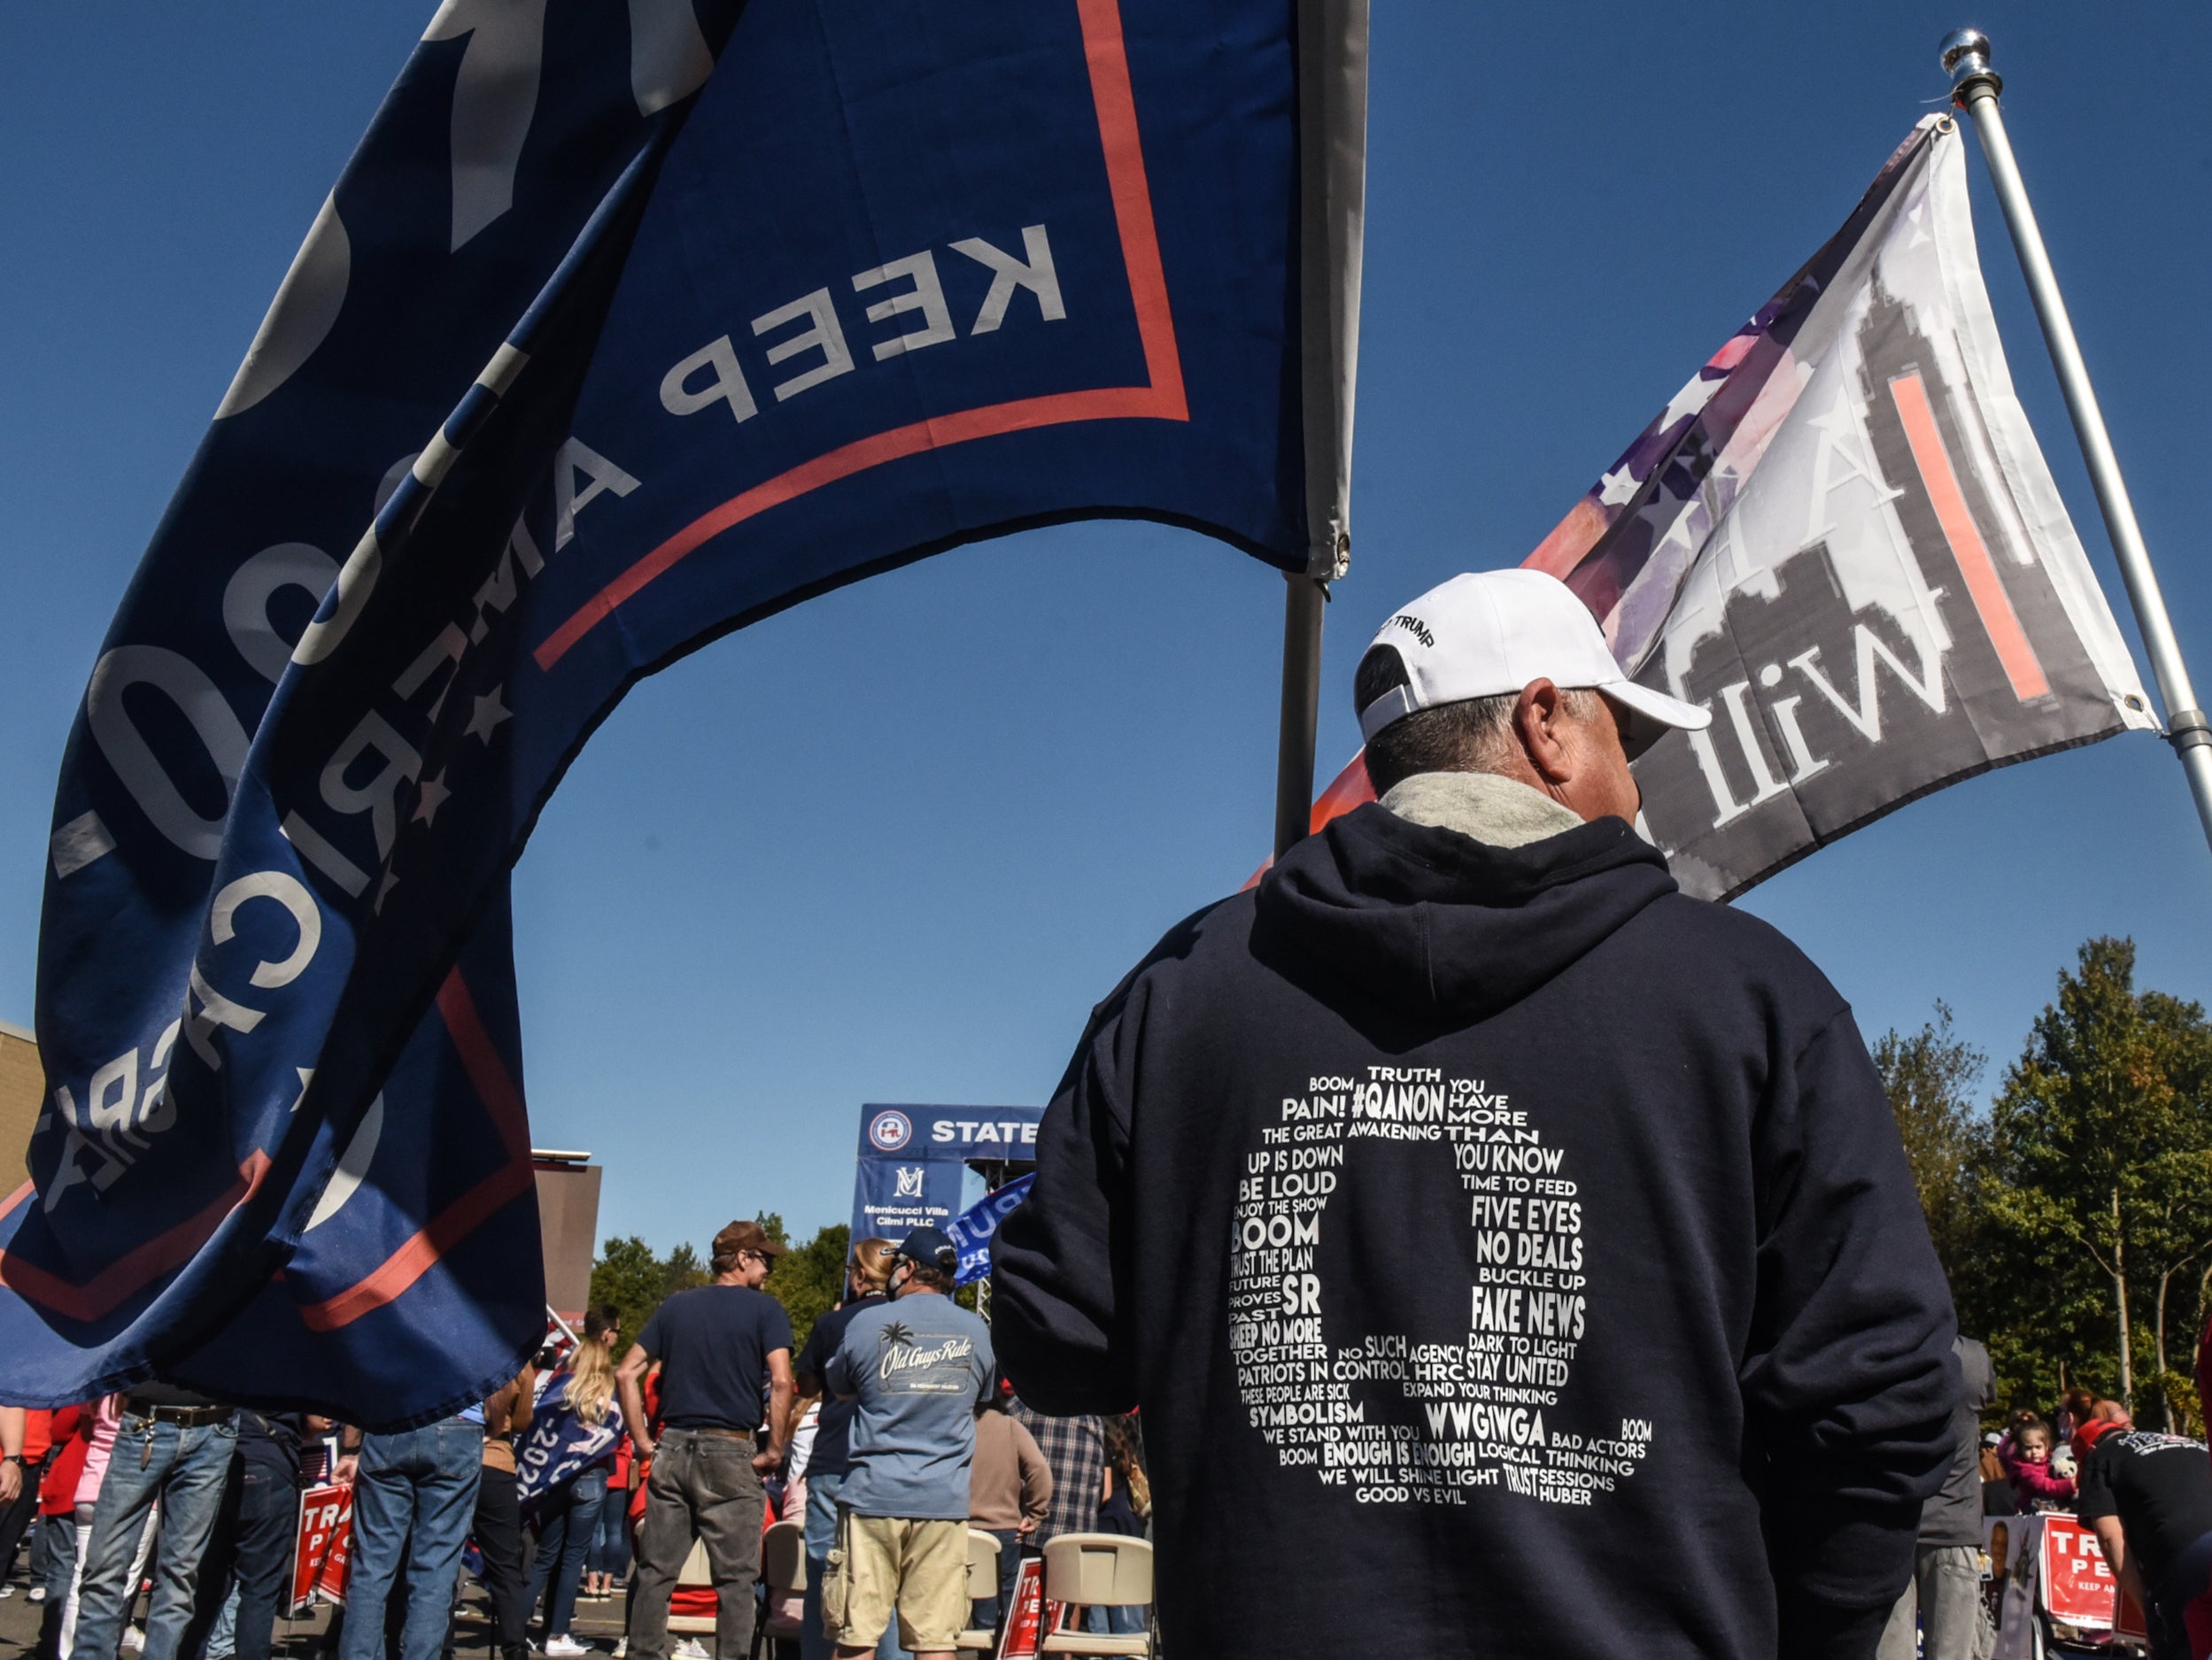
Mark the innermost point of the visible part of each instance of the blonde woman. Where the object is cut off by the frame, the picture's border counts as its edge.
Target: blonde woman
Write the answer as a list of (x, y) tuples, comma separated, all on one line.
[(609, 1558), (578, 1424)]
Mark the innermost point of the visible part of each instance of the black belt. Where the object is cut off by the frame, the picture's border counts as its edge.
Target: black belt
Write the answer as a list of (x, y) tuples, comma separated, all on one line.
[(183, 1418), (712, 1429)]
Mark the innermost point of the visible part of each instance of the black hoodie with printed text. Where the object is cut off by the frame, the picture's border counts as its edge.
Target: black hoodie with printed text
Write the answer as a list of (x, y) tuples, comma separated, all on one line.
[(1509, 1255)]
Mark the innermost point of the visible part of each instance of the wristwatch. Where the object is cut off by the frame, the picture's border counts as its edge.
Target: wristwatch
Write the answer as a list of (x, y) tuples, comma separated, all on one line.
[(12, 1458)]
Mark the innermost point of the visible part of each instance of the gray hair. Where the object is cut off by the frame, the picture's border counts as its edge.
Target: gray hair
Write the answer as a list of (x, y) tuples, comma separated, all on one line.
[(1475, 735)]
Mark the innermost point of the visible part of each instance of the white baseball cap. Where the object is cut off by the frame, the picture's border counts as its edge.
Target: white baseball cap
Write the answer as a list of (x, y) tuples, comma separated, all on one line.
[(1487, 633)]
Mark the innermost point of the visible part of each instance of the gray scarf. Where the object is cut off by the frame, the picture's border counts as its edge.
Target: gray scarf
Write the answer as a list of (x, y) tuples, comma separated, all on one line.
[(1500, 811)]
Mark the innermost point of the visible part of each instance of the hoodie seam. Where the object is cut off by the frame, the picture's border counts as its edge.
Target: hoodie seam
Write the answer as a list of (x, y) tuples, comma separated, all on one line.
[(1796, 1061), (1429, 951)]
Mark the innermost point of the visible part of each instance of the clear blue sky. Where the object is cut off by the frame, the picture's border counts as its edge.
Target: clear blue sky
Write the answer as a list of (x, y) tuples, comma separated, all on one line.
[(1038, 753)]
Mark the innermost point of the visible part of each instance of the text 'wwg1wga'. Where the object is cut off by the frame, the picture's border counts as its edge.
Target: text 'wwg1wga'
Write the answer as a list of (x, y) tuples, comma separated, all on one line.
[(1394, 1420)]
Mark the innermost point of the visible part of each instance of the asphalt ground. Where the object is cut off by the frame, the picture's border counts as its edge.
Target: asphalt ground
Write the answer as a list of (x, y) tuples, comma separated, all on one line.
[(598, 1624)]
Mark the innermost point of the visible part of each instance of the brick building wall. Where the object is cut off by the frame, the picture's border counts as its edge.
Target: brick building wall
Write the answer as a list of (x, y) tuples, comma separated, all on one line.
[(21, 1084)]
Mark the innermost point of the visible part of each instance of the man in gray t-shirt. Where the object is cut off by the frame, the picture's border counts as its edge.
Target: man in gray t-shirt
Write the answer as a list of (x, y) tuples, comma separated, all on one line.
[(1944, 1598), (916, 1367)]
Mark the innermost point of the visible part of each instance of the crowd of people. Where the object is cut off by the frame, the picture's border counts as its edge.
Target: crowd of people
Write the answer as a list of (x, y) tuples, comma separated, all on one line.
[(890, 1438), (1707, 1397), (2147, 1494), (2034, 1462)]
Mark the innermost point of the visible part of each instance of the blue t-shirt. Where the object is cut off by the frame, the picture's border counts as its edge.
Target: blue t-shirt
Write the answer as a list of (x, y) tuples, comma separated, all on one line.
[(917, 1366), (831, 1456), (713, 1343)]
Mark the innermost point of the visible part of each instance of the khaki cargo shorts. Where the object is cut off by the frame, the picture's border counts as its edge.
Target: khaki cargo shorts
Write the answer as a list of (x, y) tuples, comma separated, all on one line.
[(886, 1564)]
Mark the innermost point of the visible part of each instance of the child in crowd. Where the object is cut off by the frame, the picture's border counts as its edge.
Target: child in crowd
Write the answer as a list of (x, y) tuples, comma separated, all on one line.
[(2026, 1456)]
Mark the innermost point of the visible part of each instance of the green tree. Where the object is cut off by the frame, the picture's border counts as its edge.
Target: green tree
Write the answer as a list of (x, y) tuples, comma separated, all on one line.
[(1930, 1077), (809, 1281), (684, 1270), (631, 1277), (2100, 1170)]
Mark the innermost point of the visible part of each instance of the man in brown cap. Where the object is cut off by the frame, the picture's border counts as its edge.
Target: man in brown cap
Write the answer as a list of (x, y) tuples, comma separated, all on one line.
[(724, 1351)]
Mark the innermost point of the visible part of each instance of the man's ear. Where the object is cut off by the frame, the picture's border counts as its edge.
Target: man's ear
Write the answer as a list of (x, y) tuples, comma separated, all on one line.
[(1539, 719)]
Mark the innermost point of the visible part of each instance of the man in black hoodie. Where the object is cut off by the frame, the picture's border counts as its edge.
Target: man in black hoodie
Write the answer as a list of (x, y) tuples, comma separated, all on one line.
[(1482, 1223)]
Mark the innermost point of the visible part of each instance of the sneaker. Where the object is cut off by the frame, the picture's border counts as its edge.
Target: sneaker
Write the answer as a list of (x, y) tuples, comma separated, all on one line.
[(6, 1591), (621, 1648), (37, 1593), (690, 1649), (564, 1646)]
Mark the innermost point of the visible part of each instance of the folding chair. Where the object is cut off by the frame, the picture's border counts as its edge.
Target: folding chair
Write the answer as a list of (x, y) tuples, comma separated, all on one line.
[(1098, 1570), (983, 1580), (783, 1571)]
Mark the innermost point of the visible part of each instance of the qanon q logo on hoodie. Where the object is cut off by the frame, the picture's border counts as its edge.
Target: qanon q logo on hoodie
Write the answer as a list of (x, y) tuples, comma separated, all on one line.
[(1396, 1420)]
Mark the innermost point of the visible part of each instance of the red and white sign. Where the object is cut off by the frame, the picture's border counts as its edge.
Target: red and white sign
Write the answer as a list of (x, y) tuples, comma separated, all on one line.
[(2129, 1623), (2050, 1566), (1032, 1616), (2078, 1586), (323, 1547)]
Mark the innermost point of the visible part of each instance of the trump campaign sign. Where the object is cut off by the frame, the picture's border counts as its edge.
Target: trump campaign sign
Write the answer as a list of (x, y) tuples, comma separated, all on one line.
[(624, 327), (323, 1546)]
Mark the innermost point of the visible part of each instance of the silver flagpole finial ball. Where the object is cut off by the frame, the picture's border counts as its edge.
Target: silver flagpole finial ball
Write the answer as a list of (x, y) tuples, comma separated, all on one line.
[(1965, 61)]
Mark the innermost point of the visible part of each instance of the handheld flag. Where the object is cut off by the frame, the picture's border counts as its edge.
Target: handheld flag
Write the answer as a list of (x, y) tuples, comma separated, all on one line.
[(973, 1230), (561, 1442), (630, 327), (1841, 537)]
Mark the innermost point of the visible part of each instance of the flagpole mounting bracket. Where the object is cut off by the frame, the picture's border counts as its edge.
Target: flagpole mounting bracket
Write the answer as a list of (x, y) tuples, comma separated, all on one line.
[(2188, 728)]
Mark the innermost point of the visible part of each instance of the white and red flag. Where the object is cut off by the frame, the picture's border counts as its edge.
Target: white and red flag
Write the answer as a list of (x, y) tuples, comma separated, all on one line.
[(1841, 537)]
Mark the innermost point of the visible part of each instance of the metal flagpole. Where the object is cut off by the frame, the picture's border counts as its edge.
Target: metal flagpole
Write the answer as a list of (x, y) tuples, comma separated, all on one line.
[(566, 1330), (1973, 87), (1333, 195), (1302, 599)]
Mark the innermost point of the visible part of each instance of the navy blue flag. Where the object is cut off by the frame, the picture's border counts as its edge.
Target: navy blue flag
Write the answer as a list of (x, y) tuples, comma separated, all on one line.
[(973, 1230), (562, 1444), (621, 329)]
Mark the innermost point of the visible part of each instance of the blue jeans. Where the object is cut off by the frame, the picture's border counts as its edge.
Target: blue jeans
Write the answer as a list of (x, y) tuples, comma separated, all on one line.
[(246, 1572), (222, 1633), (988, 1610), (813, 1642), (1121, 1622), (55, 1558), (568, 1519), (186, 1470), (422, 1481), (610, 1540)]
